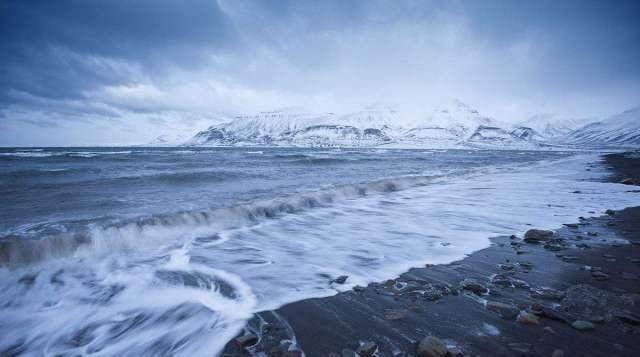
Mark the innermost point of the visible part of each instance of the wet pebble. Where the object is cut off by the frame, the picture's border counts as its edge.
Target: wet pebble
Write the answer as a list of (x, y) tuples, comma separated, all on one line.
[(431, 346)]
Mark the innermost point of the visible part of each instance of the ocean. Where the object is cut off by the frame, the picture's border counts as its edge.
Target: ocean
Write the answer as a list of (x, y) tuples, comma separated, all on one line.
[(169, 251)]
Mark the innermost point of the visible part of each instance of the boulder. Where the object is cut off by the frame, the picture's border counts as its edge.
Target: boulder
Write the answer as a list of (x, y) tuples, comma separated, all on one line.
[(537, 236)]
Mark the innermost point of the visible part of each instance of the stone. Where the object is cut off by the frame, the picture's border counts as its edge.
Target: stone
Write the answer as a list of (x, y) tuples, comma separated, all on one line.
[(557, 353), (528, 318), (598, 275), (341, 279), (582, 325), (431, 346), (246, 340), (367, 349), (474, 286), (609, 212), (548, 294), (347, 352), (520, 347), (507, 311), (549, 330), (359, 288), (628, 317), (571, 225), (537, 235), (629, 276), (394, 314), (629, 181)]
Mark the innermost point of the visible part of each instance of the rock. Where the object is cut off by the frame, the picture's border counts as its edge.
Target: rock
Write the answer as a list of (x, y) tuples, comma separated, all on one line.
[(431, 346), (548, 294), (359, 288), (628, 317), (394, 314), (582, 325), (521, 284), (629, 276), (629, 181), (609, 212), (528, 318), (247, 340), (571, 225), (549, 330), (347, 352), (557, 353), (474, 286), (367, 349), (598, 275), (592, 234), (520, 347), (507, 311), (537, 235), (341, 279)]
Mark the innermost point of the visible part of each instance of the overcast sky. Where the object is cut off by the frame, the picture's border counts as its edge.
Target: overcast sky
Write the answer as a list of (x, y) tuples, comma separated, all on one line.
[(119, 72)]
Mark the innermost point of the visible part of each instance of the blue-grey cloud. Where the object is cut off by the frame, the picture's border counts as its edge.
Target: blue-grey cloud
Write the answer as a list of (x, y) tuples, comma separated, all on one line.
[(165, 63)]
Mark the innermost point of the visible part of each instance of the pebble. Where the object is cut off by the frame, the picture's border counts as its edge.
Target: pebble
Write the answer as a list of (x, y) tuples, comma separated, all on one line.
[(247, 340), (431, 346), (528, 318), (341, 279), (549, 330), (474, 286), (582, 325), (520, 347), (628, 317), (557, 353), (629, 276), (367, 349), (571, 225), (548, 294), (610, 212), (507, 311), (347, 352), (394, 314), (598, 275)]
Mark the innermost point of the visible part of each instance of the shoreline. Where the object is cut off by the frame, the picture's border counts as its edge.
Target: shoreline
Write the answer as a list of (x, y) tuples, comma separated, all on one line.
[(491, 303)]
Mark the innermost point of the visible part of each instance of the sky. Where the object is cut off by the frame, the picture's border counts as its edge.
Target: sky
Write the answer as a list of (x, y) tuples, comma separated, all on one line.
[(116, 72)]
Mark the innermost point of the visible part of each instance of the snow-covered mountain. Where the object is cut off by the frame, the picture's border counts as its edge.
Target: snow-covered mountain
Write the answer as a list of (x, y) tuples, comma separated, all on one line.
[(553, 126), (452, 125), (619, 130)]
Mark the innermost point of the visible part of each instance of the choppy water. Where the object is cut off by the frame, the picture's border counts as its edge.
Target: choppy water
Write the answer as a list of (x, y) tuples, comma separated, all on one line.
[(131, 251)]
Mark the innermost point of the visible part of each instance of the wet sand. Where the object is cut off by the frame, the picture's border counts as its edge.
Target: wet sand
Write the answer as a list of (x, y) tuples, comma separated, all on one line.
[(576, 293)]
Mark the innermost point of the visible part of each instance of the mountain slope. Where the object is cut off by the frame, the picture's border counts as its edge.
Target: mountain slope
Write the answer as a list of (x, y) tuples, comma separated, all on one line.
[(452, 125), (554, 126), (622, 129)]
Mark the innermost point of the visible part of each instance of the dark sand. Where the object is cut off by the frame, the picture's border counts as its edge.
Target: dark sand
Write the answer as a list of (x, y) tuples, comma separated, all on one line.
[(593, 265)]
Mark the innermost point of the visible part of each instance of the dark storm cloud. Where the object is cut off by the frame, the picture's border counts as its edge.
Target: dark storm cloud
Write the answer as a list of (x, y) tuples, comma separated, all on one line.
[(158, 64), (59, 49)]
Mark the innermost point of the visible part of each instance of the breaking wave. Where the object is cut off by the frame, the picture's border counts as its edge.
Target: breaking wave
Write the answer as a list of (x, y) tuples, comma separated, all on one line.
[(43, 241)]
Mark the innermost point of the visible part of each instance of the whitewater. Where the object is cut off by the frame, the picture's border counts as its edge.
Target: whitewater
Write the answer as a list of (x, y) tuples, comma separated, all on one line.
[(169, 251)]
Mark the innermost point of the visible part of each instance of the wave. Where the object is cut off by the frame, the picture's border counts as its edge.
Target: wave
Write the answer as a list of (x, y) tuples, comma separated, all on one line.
[(79, 154), (45, 241)]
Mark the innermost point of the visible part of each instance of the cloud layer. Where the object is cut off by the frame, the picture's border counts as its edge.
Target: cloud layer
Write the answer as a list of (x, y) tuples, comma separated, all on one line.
[(117, 72)]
